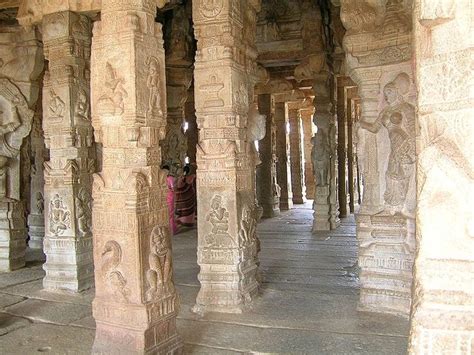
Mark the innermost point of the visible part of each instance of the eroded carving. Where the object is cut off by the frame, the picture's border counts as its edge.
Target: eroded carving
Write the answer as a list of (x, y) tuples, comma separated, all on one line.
[(110, 263), (111, 102), (59, 216), (219, 219)]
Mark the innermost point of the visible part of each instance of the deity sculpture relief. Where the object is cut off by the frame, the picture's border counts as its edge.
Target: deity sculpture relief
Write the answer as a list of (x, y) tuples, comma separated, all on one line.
[(248, 225), (111, 259), (159, 276), (59, 216), (84, 212), (219, 219), (56, 105), (398, 118), (82, 106), (210, 8), (321, 157), (111, 102), (153, 83), (7, 125)]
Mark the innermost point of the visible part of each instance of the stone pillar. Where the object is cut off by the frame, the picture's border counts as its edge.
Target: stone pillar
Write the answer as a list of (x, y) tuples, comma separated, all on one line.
[(351, 94), (21, 66), (386, 152), (297, 154), (343, 181), (227, 213), (283, 156), (323, 157), (179, 74), (69, 137), (307, 119), (267, 186), (39, 155), (136, 304), (442, 313), (192, 135)]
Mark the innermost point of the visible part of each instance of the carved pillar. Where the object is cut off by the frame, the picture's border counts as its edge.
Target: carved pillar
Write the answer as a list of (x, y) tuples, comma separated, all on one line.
[(267, 186), (386, 151), (179, 73), (224, 78), (343, 181), (136, 303), (442, 313), (323, 157), (283, 156), (307, 120), (69, 137), (21, 66), (297, 154), (351, 95), (39, 154)]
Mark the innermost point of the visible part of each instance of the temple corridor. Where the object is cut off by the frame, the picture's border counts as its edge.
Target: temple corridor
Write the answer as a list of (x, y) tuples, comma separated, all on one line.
[(308, 301)]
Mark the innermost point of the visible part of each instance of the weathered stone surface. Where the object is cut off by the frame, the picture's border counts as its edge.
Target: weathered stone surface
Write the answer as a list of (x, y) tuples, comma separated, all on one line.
[(225, 75), (442, 312), (69, 138), (296, 152)]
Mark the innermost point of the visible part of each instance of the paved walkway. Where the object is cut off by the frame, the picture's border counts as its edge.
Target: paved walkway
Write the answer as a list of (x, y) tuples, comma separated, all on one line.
[(307, 305)]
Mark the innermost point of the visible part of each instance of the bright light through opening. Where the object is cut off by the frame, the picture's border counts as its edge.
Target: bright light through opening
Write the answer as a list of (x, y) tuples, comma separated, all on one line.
[(256, 145), (185, 126), (287, 127), (186, 160)]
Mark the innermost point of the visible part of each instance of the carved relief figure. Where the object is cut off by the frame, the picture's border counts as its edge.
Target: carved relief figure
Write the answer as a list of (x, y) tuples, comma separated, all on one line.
[(153, 83), (111, 102), (39, 202), (398, 118), (56, 105), (7, 125), (219, 218), (82, 105), (174, 148), (111, 259), (59, 216), (84, 212), (248, 225), (160, 274), (320, 157)]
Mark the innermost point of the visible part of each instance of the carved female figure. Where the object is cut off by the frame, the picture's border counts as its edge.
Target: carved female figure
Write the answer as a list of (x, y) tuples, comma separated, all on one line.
[(153, 84), (160, 274), (59, 216), (218, 216), (398, 118), (320, 157)]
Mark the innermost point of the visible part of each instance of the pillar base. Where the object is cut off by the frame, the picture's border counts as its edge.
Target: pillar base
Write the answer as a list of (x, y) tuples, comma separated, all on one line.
[(226, 287), (386, 255), (69, 265), (12, 235), (36, 231), (299, 200), (322, 220), (270, 210), (286, 204)]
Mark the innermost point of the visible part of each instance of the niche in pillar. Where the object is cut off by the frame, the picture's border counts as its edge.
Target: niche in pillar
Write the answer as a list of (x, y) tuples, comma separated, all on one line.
[(15, 124)]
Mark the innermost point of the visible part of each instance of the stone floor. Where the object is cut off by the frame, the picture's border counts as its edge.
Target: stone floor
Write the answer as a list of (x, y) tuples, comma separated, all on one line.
[(307, 305)]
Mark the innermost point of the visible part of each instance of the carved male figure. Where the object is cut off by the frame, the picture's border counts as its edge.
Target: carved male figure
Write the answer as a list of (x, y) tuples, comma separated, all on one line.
[(59, 216), (160, 261), (56, 105), (320, 157), (218, 216), (7, 125), (153, 84)]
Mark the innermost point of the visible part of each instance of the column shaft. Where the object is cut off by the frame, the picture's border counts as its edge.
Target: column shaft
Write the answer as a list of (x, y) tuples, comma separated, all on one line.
[(267, 186), (69, 137), (283, 156), (307, 118), (442, 313), (136, 304), (227, 214), (296, 151)]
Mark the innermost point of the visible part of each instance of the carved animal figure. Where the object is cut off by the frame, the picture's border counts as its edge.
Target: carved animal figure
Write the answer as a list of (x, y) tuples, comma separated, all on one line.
[(111, 259)]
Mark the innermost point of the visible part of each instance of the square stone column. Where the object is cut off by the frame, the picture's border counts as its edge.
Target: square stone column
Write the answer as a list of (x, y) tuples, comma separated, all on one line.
[(443, 294), (227, 214), (69, 137), (267, 186), (386, 153), (323, 156), (136, 304), (22, 64), (283, 156), (36, 226), (307, 119), (296, 151)]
